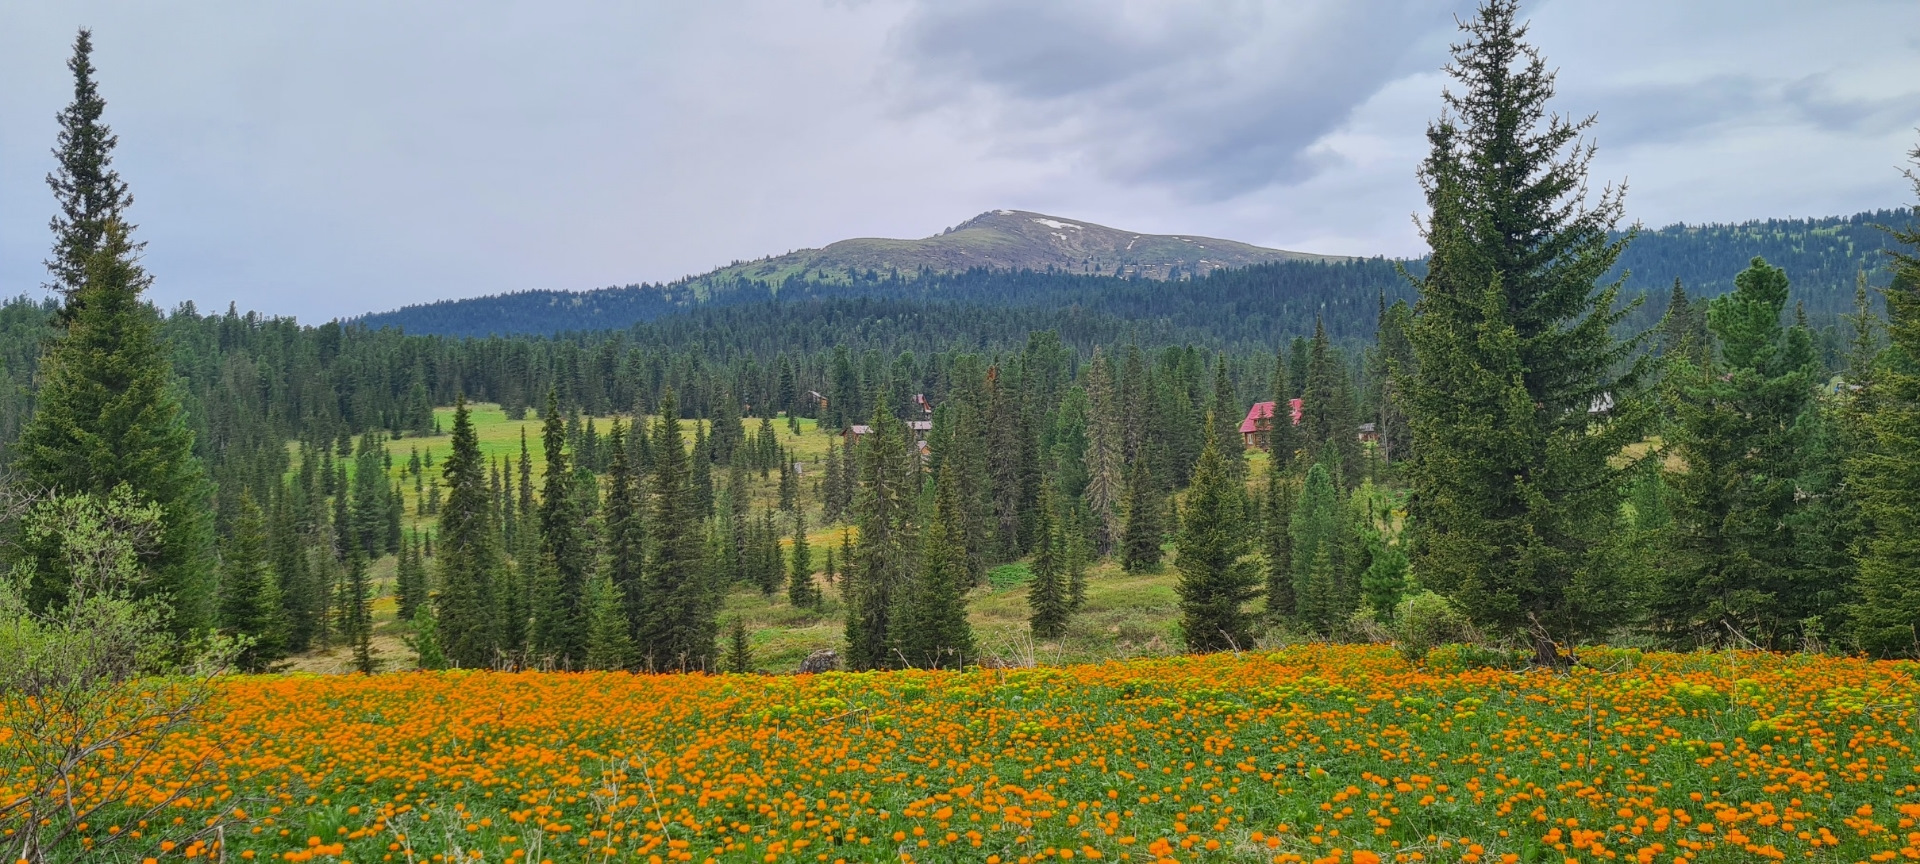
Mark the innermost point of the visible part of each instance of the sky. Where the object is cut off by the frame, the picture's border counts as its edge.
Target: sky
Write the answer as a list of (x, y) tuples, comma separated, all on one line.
[(325, 160)]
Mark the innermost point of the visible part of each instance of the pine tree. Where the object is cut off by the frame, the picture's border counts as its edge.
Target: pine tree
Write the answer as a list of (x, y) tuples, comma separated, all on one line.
[(1393, 363), (405, 582), (368, 508), (561, 529), (250, 591), (1224, 426), (1740, 427), (1216, 579), (1283, 438), (1278, 533), (626, 526), (1326, 411), (679, 630), (832, 498), (1140, 542), (467, 556), (356, 604), (1513, 494), (1384, 582), (934, 632), (1104, 442), (801, 591), (608, 644), (106, 415), (90, 193), (1073, 533), (1886, 473), (880, 565), (300, 598), (1047, 599), (1315, 545), (739, 659), (789, 482)]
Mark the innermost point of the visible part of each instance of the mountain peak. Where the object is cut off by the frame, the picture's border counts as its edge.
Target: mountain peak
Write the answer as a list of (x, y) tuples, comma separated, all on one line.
[(1023, 240)]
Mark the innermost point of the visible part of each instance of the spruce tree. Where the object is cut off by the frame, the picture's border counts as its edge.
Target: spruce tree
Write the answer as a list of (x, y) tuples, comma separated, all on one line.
[(833, 496), (1140, 541), (250, 590), (1103, 460), (609, 646), (1315, 545), (1224, 426), (880, 565), (934, 632), (90, 193), (561, 530), (1886, 473), (356, 604), (739, 657), (107, 415), (626, 526), (1326, 411), (1278, 548), (1048, 602), (1216, 579), (801, 590), (1741, 420), (410, 589), (300, 598), (680, 626), (1283, 438), (467, 556), (1523, 395)]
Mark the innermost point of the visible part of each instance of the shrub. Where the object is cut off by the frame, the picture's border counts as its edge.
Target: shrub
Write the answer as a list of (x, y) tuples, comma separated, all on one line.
[(1427, 620)]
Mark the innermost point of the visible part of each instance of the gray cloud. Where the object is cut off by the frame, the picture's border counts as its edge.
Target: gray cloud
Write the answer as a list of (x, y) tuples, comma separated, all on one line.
[(1213, 98), (329, 159)]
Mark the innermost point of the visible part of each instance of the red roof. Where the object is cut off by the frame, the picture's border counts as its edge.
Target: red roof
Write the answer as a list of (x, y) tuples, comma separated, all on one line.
[(1264, 411)]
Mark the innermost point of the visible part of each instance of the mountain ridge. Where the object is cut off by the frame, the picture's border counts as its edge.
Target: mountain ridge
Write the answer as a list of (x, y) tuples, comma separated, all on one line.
[(1018, 240)]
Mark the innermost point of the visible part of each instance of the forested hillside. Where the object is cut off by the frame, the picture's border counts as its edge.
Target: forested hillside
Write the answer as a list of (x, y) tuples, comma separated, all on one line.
[(1263, 301)]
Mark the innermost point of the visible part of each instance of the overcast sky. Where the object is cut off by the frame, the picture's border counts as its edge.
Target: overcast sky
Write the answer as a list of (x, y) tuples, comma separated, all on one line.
[(328, 159)]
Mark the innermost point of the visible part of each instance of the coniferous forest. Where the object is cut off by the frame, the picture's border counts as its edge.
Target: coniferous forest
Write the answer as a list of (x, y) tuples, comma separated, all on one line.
[(1506, 453)]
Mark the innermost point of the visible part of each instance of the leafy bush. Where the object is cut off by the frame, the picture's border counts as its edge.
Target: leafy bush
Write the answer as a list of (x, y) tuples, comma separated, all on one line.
[(1427, 620)]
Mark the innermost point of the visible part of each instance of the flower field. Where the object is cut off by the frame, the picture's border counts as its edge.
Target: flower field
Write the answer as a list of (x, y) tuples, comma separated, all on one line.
[(1311, 754)]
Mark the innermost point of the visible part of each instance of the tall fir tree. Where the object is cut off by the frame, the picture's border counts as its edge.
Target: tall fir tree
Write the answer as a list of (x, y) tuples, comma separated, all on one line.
[(1326, 411), (1145, 530), (1216, 579), (1314, 529), (1277, 530), (1523, 394), (881, 565), (626, 526), (1224, 412), (250, 591), (801, 590), (609, 645), (1283, 437), (1048, 603), (89, 191), (1103, 460), (107, 415), (467, 556), (562, 536), (934, 632), (680, 628), (1885, 618), (300, 598), (356, 615), (1740, 424)]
